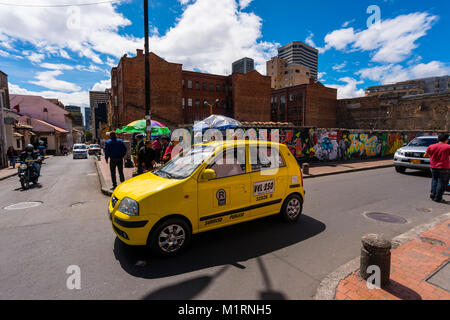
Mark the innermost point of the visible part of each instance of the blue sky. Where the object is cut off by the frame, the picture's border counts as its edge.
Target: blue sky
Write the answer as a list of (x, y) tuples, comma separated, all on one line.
[(64, 52)]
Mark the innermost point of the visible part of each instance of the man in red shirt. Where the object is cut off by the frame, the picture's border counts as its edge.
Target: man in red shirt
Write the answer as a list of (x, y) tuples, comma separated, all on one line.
[(439, 155)]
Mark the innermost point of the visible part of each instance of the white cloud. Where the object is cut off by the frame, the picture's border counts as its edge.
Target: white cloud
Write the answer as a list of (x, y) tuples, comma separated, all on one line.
[(347, 23), (90, 68), (212, 44), (80, 98), (349, 89), (3, 53), (56, 66), (391, 40), (47, 79), (339, 67), (320, 76), (102, 85), (34, 57), (244, 3), (392, 73), (309, 39)]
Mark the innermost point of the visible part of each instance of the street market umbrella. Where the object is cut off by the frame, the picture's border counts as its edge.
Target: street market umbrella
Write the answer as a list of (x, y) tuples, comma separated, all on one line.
[(141, 125), (216, 122)]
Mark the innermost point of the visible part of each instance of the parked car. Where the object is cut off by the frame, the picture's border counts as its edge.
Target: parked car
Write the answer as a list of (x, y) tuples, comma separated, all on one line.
[(94, 149), (210, 186), (411, 156), (80, 151)]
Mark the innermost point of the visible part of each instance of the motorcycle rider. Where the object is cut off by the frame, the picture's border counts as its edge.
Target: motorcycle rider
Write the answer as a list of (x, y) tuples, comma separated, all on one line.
[(30, 154)]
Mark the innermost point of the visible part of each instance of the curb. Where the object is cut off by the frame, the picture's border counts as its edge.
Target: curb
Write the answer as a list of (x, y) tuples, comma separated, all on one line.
[(101, 179), (327, 287), (347, 171)]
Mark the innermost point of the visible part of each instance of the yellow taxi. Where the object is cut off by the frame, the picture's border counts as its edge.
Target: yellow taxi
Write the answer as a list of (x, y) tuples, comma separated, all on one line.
[(209, 186)]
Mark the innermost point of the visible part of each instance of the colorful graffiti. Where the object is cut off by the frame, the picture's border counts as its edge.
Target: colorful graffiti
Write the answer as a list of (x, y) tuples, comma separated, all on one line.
[(308, 144), (329, 145)]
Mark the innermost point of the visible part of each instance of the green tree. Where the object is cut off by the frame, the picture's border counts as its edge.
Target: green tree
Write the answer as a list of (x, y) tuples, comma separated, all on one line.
[(87, 135)]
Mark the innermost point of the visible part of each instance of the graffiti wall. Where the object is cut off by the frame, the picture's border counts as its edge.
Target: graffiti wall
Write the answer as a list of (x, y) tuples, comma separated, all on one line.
[(327, 145)]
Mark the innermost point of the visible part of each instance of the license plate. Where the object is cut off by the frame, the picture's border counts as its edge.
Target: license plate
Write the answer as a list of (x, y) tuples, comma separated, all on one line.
[(416, 161), (263, 187)]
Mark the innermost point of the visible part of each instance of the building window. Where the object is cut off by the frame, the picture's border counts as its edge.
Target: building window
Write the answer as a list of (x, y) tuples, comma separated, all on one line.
[(218, 87), (182, 83), (204, 86), (182, 103), (224, 88), (197, 103), (197, 85), (211, 87), (189, 84), (189, 102)]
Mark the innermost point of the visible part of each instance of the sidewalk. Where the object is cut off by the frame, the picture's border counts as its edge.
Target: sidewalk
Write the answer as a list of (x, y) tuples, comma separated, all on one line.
[(420, 269), (104, 175), (325, 169)]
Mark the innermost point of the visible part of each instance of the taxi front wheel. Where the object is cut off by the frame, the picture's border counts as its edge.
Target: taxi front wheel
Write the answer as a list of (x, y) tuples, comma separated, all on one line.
[(292, 208), (170, 237)]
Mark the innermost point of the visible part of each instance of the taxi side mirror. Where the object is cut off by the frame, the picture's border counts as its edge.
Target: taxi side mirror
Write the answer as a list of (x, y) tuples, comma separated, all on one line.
[(208, 174)]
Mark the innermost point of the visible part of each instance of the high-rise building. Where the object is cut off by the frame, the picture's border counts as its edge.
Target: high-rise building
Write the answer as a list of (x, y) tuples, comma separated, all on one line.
[(298, 52), (243, 65), (87, 118), (96, 98), (284, 75), (77, 121)]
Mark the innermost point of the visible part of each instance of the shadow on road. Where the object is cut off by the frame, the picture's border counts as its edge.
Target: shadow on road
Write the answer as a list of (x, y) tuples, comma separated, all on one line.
[(418, 173), (227, 246)]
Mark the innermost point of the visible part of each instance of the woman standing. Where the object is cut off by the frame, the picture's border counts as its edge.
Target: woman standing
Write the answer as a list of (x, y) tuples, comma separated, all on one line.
[(12, 154)]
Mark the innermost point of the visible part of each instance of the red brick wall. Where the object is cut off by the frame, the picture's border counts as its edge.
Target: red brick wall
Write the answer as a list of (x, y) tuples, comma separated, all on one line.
[(321, 106), (201, 91), (251, 96)]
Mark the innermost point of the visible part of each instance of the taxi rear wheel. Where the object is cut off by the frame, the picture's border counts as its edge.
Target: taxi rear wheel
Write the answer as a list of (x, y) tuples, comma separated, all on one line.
[(170, 237), (292, 208)]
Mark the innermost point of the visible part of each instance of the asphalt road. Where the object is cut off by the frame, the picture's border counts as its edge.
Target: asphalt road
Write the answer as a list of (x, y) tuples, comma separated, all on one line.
[(260, 259)]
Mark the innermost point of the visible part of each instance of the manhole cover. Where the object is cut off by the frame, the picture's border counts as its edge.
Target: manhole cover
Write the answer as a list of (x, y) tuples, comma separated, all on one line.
[(441, 278), (385, 217), (426, 210), (23, 205)]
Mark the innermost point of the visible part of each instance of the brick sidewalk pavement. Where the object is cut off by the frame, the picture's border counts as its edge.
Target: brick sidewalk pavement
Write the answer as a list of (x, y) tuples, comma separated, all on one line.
[(412, 264), (105, 175)]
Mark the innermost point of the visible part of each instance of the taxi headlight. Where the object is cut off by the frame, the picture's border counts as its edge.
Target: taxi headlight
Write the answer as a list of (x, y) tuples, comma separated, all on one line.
[(129, 206)]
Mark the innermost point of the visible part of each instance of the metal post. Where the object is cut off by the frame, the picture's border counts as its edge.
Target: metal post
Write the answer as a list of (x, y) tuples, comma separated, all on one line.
[(147, 74)]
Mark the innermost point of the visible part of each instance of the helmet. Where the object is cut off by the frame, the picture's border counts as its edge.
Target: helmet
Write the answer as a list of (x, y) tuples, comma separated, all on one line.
[(41, 142), (29, 146)]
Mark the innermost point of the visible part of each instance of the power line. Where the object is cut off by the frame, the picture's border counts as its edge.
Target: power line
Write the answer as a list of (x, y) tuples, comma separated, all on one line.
[(56, 5)]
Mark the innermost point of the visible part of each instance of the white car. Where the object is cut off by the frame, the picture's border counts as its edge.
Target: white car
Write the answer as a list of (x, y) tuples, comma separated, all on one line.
[(80, 151)]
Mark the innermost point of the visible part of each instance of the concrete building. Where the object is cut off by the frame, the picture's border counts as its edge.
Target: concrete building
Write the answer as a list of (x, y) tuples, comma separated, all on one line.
[(243, 65), (284, 75), (6, 121), (87, 118), (298, 52), (432, 85), (96, 98), (77, 122), (310, 104), (178, 97), (51, 123)]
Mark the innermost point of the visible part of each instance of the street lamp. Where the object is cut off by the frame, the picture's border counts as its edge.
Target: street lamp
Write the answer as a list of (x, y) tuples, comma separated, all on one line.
[(210, 106)]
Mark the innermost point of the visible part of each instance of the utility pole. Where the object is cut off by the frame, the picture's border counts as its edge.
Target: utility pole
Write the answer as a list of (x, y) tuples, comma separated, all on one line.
[(148, 113)]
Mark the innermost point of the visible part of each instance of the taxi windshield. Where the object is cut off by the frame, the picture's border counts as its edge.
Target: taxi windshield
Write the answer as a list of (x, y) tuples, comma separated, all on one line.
[(184, 164)]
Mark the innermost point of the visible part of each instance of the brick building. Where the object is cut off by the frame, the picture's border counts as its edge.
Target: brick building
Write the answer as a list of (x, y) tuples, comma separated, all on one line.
[(310, 104), (396, 112), (178, 96)]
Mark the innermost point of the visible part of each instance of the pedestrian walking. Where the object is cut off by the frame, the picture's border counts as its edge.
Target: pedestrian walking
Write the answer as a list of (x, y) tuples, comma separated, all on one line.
[(41, 149), (12, 155), (172, 150), (157, 146), (147, 156), (439, 155), (137, 147), (164, 145), (115, 150)]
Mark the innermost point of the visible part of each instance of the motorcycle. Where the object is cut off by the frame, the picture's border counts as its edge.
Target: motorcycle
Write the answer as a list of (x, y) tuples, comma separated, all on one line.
[(27, 173)]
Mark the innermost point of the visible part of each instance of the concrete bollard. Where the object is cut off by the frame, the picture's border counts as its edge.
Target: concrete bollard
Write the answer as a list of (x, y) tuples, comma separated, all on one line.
[(376, 251), (305, 168)]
